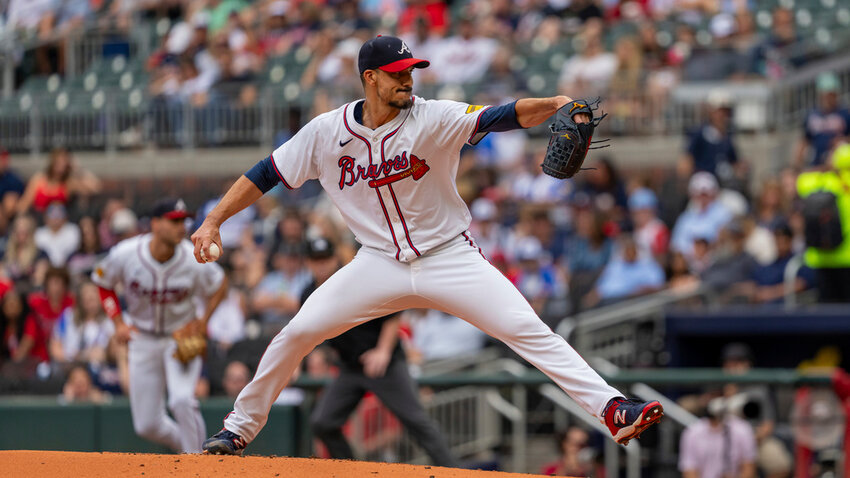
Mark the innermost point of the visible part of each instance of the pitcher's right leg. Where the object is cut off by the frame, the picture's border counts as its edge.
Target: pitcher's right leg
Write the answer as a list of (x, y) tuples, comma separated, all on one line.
[(369, 286)]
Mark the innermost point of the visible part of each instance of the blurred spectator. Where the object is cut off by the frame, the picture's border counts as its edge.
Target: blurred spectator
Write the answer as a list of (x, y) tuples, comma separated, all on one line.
[(463, 58), (30, 16), (605, 188), (826, 211), (587, 252), (730, 263), (758, 240), (538, 281), (628, 83), (717, 446), (588, 72), (46, 308), (771, 205), (720, 60), (437, 335), (780, 51), (434, 12), (58, 238), (236, 376), (14, 311), (333, 68), (82, 262), (276, 296), (11, 187), (60, 181), (83, 332), (123, 225), (576, 457), (79, 388), (651, 235), (628, 274), (489, 234), (825, 126), (755, 404), (704, 217), (23, 261), (534, 186), (711, 147), (680, 278)]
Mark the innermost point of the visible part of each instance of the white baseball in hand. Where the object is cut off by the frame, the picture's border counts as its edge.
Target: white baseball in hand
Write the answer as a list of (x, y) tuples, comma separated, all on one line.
[(215, 252)]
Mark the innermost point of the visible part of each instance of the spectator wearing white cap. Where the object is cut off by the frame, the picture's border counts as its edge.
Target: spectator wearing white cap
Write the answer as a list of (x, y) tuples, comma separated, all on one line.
[(651, 234), (705, 215)]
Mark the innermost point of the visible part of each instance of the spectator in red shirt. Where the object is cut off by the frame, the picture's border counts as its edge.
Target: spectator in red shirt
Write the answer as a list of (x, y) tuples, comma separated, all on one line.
[(45, 309)]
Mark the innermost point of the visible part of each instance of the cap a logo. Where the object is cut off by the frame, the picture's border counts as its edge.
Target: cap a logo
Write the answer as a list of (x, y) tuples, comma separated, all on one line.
[(180, 206), (404, 48)]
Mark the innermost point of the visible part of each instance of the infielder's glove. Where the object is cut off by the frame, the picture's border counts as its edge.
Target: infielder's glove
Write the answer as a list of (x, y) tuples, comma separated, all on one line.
[(191, 341), (570, 141)]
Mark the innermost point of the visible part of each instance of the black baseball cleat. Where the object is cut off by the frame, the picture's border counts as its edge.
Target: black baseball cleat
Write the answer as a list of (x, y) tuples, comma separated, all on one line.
[(225, 442), (628, 418)]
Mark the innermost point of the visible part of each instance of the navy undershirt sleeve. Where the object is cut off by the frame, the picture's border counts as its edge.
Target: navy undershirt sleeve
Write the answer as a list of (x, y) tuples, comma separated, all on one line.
[(499, 118), (263, 175)]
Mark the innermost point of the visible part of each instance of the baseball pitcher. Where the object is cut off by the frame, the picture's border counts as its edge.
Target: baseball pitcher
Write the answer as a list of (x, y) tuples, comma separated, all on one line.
[(389, 163)]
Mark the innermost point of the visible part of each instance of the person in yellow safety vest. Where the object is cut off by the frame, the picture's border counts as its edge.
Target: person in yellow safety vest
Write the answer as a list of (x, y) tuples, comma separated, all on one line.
[(832, 265)]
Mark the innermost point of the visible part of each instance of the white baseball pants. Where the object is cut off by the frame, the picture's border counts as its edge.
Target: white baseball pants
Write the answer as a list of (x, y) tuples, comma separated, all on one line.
[(454, 278), (153, 373)]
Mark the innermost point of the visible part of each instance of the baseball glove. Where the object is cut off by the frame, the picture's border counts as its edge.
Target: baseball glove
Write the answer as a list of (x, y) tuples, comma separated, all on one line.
[(570, 141), (191, 341)]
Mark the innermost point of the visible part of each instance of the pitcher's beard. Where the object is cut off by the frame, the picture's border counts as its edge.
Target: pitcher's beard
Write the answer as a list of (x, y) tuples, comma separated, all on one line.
[(402, 104)]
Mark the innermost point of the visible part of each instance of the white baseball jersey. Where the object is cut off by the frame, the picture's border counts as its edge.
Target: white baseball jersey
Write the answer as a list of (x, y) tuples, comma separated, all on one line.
[(158, 295), (395, 185)]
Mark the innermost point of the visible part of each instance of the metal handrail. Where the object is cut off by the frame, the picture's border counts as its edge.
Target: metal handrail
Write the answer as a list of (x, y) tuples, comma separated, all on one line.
[(656, 376), (672, 410)]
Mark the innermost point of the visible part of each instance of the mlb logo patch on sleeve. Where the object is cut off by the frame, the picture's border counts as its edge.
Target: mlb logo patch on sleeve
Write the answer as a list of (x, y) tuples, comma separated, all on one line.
[(473, 108)]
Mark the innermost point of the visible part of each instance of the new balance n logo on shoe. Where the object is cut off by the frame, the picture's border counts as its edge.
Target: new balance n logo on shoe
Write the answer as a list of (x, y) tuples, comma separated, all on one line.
[(620, 417)]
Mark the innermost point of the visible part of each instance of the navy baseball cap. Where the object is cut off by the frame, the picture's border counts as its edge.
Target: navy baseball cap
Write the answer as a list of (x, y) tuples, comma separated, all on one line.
[(171, 208), (387, 53)]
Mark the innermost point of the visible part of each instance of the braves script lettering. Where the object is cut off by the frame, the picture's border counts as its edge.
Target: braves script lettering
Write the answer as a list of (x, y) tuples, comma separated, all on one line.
[(379, 174)]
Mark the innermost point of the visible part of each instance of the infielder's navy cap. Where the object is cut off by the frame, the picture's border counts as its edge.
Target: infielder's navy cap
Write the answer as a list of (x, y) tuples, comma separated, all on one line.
[(171, 208), (387, 53)]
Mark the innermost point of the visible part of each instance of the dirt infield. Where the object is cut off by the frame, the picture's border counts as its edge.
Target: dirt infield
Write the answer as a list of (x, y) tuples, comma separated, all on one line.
[(52, 464)]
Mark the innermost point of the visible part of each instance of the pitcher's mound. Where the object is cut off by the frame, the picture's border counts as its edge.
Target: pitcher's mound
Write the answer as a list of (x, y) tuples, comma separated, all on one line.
[(51, 464)]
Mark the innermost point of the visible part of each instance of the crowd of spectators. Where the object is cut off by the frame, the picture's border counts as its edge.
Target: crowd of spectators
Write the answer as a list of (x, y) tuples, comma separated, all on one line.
[(612, 233), (213, 52)]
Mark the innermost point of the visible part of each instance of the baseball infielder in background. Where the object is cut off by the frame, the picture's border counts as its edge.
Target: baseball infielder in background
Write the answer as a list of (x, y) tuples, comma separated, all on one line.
[(160, 278), (389, 163)]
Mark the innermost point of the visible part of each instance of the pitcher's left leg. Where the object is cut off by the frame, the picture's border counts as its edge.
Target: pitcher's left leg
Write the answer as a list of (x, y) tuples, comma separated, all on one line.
[(461, 282)]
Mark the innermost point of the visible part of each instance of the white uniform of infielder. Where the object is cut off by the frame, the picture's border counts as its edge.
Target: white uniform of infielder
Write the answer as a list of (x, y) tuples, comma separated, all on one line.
[(159, 300), (395, 187)]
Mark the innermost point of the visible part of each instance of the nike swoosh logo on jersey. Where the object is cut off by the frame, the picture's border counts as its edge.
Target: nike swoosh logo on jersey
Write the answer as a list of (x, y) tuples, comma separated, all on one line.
[(341, 144)]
